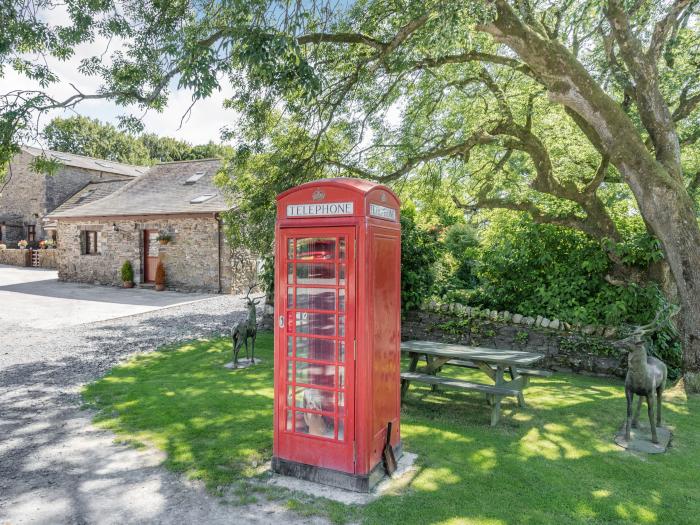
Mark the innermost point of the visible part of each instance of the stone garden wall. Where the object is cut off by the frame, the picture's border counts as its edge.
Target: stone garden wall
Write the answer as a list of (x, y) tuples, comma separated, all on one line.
[(14, 257), (585, 349), (47, 258)]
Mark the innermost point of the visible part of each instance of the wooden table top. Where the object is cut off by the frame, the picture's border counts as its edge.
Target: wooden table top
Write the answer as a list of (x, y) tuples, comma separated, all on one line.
[(472, 353)]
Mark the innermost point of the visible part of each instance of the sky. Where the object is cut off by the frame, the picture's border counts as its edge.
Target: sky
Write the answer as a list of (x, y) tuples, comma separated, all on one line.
[(204, 123)]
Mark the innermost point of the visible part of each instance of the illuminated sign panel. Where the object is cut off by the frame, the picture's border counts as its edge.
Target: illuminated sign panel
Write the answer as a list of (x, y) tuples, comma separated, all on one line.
[(319, 209), (382, 212)]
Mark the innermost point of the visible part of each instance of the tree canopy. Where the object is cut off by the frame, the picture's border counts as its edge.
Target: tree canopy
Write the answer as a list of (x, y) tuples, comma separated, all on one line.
[(90, 137), (581, 113)]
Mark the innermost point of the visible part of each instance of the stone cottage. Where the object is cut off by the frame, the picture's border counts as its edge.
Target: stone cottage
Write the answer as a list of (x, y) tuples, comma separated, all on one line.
[(176, 199), (26, 197)]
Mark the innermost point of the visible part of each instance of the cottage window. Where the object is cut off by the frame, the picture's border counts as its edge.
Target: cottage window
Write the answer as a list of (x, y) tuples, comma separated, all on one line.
[(89, 243), (31, 233)]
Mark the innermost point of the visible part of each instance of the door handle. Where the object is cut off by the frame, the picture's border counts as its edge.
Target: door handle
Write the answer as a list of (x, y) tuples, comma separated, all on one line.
[(281, 321)]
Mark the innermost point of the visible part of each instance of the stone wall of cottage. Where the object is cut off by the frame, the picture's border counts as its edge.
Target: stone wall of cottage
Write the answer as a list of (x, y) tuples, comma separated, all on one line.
[(32, 195), (191, 259)]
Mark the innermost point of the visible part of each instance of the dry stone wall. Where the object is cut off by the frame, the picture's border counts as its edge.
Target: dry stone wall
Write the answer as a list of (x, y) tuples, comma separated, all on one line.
[(47, 258), (586, 350)]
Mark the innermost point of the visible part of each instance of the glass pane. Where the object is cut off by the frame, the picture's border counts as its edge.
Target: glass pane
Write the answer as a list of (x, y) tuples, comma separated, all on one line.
[(341, 300), (342, 274), (290, 297), (314, 424), (315, 298), (315, 374), (341, 351), (318, 324), (341, 429), (290, 345), (290, 371), (341, 325), (290, 274), (341, 403), (315, 249), (317, 349), (289, 420), (341, 377), (316, 273), (290, 396), (290, 248), (315, 399), (341, 249)]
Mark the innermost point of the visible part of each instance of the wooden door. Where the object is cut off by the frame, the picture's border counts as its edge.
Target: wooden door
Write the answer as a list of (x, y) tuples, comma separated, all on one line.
[(150, 255), (315, 347)]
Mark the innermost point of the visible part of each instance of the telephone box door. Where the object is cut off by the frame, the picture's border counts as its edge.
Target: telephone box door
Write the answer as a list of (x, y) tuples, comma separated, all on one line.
[(316, 346)]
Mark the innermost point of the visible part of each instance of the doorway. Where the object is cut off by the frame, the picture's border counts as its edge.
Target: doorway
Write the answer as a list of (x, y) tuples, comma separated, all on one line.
[(150, 255)]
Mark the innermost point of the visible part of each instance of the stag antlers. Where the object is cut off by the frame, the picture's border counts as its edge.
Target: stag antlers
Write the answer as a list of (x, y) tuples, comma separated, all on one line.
[(640, 331)]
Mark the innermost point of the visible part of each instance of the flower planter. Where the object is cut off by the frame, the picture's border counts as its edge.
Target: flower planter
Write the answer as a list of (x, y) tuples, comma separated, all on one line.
[(163, 242), (160, 287), (128, 284)]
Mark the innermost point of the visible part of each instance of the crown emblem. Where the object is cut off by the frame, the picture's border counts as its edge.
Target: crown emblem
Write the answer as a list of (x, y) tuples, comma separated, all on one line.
[(317, 195), (382, 197)]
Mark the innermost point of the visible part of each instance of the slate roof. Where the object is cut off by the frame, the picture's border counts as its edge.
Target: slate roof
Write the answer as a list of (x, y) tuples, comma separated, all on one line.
[(92, 192), (161, 191), (80, 161)]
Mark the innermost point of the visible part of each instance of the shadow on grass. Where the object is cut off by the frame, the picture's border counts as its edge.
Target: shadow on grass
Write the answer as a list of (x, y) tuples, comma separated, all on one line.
[(552, 462)]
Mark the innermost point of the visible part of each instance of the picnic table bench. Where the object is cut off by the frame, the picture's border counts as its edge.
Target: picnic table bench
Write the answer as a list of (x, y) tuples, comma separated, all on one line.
[(494, 363)]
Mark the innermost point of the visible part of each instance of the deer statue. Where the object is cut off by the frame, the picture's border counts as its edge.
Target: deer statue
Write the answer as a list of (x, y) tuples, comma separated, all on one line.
[(646, 375), (245, 329)]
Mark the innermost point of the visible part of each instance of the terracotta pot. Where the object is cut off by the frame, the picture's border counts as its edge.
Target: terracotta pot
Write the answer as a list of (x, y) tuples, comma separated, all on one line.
[(160, 287), (163, 241), (128, 284)]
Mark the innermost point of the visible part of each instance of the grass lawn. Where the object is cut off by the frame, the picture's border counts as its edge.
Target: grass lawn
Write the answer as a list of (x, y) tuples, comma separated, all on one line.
[(553, 462)]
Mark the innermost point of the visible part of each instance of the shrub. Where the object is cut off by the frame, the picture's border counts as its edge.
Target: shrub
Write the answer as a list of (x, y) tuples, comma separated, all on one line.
[(127, 272), (537, 269), (160, 274), (420, 250)]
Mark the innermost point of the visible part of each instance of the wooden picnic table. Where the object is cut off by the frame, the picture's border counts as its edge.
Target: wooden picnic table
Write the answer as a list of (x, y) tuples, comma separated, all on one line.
[(494, 363)]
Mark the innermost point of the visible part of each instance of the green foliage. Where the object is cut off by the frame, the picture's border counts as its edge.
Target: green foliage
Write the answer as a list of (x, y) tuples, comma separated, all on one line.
[(92, 138), (556, 272), (127, 272), (461, 242), (420, 250)]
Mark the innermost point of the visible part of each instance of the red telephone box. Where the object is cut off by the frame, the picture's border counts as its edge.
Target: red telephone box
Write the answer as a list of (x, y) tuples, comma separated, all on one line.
[(337, 331)]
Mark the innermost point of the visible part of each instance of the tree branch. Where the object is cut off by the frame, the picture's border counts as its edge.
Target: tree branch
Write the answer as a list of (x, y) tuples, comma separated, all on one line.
[(664, 27)]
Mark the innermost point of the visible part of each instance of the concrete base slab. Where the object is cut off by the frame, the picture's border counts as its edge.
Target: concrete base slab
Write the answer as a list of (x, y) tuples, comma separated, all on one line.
[(403, 476), (640, 439), (243, 364)]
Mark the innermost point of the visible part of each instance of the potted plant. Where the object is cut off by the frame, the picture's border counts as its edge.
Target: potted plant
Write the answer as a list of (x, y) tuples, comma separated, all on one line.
[(42, 244), (164, 237), (160, 277), (50, 243), (127, 275), (22, 244)]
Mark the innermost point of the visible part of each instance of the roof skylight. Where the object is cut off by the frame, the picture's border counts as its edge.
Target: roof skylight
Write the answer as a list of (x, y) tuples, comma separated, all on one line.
[(202, 198), (194, 178)]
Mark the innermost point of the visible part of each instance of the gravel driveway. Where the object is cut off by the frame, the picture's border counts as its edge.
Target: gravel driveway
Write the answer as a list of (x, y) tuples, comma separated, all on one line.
[(55, 467)]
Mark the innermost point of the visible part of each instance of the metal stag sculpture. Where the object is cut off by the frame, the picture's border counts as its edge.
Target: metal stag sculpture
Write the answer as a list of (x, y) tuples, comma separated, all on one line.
[(646, 375), (245, 329)]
